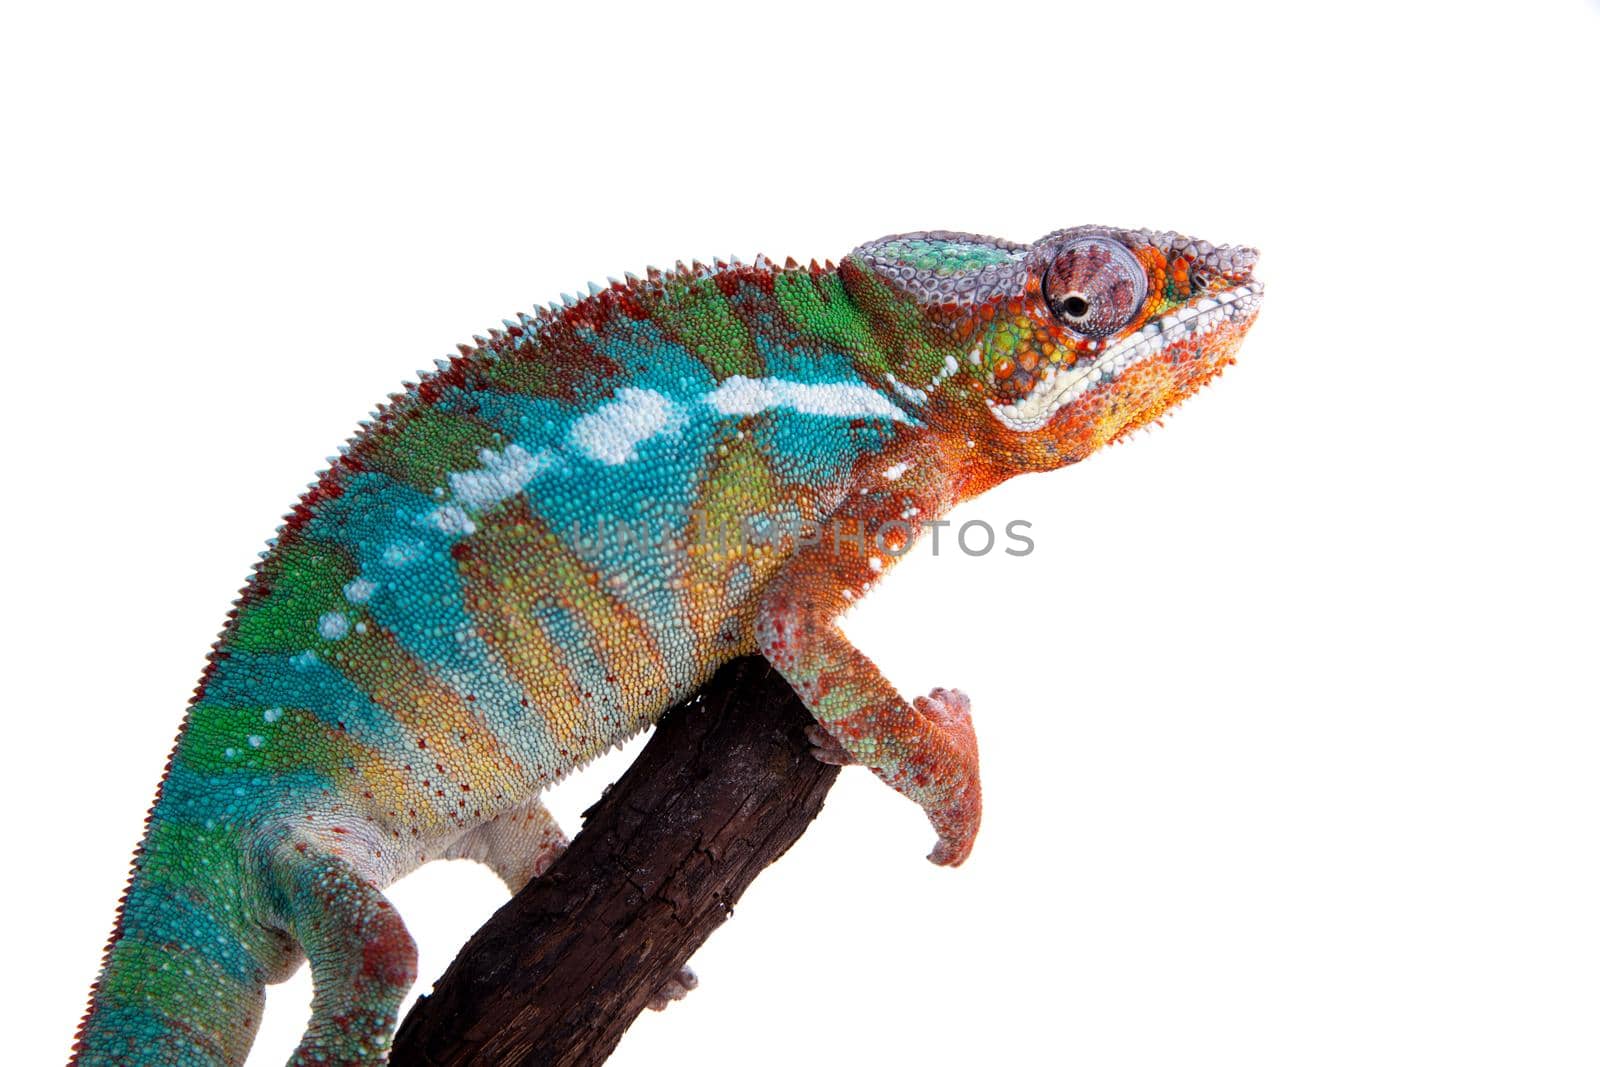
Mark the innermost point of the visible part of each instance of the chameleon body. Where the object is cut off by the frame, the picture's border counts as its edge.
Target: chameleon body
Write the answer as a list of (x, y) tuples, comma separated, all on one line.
[(529, 554)]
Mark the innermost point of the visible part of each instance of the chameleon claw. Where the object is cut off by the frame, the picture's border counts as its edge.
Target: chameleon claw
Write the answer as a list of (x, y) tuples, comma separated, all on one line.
[(950, 853), (676, 988), (826, 748), (951, 709)]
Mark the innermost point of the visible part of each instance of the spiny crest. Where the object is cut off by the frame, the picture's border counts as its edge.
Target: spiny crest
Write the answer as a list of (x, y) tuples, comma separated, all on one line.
[(597, 305), (600, 302)]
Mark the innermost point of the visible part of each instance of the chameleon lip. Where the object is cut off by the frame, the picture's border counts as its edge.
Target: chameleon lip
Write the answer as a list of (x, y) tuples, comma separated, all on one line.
[(1061, 386)]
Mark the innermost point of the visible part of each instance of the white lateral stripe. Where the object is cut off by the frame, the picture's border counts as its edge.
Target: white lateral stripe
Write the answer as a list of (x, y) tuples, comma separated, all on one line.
[(841, 400), (504, 475), (612, 432)]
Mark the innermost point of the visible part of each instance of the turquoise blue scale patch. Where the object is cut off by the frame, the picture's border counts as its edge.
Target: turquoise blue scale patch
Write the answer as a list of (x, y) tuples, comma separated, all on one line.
[(140, 1033), (814, 363), (299, 681), (529, 421), (408, 583), (654, 361), (234, 798), (818, 450), (159, 916)]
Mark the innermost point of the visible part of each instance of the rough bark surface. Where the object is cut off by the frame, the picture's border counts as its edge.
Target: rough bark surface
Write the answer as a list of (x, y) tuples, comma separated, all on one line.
[(724, 787)]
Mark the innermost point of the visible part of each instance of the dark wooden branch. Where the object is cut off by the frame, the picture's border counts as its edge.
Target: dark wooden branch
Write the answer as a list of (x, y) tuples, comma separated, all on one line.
[(724, 787)]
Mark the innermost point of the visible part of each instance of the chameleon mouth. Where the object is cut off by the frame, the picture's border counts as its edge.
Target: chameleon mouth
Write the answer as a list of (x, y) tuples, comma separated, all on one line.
[(1061, 385)]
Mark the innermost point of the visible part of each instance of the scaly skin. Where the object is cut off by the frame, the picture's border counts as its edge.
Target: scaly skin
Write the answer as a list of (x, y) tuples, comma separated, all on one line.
[(530, 554)]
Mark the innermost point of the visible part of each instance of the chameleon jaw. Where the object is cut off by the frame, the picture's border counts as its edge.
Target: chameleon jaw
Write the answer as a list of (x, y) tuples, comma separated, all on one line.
[(1062, 385)]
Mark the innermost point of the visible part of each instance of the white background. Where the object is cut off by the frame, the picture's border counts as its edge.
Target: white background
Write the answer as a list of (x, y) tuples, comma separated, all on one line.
[(1289, 725)]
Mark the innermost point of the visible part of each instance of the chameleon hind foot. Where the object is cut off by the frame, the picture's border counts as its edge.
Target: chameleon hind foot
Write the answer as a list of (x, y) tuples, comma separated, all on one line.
[(676, 988), (826, 748)]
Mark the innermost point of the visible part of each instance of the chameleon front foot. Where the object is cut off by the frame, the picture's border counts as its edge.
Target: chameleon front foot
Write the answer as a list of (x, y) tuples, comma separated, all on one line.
[(676, 988), (948, 773), (939, 770), (951, 711)]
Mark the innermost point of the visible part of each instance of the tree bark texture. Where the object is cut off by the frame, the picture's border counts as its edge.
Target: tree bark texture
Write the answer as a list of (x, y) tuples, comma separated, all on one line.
[(724, 787)]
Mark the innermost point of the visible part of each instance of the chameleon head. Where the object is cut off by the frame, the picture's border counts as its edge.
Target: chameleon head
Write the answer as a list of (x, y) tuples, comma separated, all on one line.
[(1052, 349)]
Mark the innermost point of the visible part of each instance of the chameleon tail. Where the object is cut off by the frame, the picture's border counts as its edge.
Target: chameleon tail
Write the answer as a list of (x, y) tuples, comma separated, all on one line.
[(184, 977)]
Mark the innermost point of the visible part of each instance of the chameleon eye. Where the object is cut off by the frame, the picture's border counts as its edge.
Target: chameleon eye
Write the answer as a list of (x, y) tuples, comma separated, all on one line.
[(1094, 285)]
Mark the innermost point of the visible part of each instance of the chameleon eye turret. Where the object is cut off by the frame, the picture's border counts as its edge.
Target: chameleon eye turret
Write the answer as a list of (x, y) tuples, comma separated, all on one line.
[(1106, 330), (1094, 285)]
